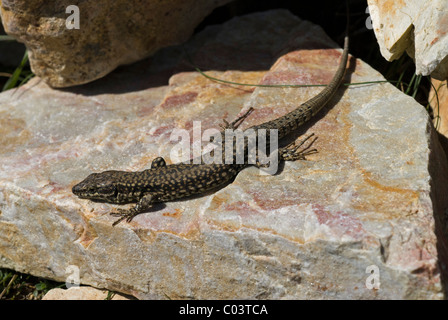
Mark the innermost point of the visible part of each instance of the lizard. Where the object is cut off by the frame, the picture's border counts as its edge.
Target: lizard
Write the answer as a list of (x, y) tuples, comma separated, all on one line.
[(163, 183)]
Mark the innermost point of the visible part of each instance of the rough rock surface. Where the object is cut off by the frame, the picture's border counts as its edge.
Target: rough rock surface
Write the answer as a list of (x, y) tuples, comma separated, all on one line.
[(110, 34), (81, 293), (416, 27), (372, 200)]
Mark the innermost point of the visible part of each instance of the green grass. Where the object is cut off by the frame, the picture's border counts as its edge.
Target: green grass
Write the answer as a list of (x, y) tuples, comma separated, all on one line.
[(6, 38), (17, 76), (19, 286)]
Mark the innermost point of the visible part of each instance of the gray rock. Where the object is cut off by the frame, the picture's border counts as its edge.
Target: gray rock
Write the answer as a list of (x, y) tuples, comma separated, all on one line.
[(110, 33), (372, 200)]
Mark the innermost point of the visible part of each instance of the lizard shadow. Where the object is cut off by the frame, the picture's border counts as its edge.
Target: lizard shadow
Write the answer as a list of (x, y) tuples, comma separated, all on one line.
[(157, 70)]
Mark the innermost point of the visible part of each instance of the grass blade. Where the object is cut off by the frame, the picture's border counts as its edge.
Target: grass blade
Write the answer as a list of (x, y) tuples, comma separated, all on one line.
[(7, 38), (12, 81)]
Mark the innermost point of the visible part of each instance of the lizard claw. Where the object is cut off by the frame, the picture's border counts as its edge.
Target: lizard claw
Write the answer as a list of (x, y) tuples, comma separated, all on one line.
[(291, 152), (123, 214), (225, 125), (236, 123)]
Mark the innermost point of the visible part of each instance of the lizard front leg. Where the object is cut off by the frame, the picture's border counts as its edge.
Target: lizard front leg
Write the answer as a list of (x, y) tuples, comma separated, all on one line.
[(237, 122), (144, 204), (158, 162)]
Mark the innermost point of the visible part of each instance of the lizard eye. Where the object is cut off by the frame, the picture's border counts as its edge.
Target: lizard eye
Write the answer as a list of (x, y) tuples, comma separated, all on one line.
[(108, 190)]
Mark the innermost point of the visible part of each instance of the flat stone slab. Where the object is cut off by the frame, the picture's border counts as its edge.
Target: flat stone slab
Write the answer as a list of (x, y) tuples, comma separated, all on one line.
[(361, 219)]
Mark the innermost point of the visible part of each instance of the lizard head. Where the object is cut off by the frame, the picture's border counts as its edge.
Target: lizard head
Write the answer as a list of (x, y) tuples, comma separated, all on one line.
[(99, 187)]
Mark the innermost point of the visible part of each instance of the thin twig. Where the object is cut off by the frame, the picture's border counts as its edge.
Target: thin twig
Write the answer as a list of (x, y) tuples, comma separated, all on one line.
[(14, 277)]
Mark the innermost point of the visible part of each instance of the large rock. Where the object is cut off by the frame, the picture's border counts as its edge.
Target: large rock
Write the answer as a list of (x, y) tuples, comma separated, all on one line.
[(110, 34), (363, 218), (416, 27)]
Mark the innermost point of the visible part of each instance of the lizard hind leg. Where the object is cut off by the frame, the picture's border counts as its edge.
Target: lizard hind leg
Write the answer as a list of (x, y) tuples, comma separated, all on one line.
[(294, 151)]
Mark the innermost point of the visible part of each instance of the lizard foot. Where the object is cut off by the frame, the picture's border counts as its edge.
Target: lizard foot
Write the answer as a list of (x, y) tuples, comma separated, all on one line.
[(142, 206), (124, 214), (293, 152), (236, 123)]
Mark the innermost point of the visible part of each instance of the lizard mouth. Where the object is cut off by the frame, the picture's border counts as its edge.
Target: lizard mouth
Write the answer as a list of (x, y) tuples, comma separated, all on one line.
[(78, 190)]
